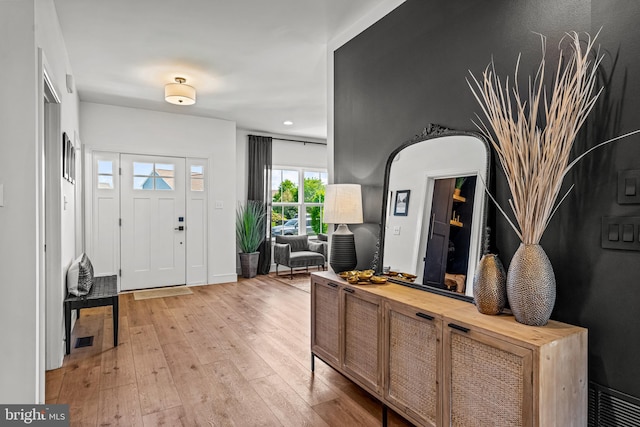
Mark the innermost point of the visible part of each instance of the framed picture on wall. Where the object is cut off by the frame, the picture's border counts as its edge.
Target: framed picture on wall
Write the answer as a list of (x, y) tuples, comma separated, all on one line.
[(401, 207), (72, 164), (65, 155)]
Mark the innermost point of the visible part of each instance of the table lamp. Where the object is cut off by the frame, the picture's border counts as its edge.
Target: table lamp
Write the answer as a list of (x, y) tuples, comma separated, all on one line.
[(342, 206)]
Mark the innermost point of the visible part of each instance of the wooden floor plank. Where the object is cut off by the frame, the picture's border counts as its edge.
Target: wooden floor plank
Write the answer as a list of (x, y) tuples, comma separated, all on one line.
[(120, 406), (117, 362), (290, 409), (199, 331), (53, 384), (343, 412), (235, 399), (155, 383), (173, 417)]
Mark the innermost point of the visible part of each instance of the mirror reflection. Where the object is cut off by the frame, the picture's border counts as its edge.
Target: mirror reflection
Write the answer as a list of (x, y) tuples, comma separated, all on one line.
[(435, 207)]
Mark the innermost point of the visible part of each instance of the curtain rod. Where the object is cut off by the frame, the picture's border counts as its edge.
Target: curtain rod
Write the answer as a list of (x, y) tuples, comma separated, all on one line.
[(297, 140)]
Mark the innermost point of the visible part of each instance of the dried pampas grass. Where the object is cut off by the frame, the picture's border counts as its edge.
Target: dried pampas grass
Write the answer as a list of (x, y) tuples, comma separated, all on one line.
[(536, 158)]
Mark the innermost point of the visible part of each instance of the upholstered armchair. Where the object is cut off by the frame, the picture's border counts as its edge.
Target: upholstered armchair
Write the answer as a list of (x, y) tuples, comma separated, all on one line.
[(298, 252)]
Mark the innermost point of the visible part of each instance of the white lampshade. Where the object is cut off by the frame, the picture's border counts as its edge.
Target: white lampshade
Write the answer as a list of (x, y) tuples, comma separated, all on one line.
[(179, 93), (343, 204)]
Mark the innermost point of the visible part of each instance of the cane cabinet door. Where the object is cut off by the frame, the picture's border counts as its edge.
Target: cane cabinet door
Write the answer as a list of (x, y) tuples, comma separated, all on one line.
[(325, 321), (413, 358), (362, 331), (488, 381)]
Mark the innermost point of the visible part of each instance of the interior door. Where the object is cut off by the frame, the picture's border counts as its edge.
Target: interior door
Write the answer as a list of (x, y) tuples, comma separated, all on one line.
[(438, 244), (153, 221)]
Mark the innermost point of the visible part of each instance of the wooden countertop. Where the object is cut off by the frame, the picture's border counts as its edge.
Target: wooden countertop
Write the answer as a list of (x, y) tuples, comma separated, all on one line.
[(463, 313)]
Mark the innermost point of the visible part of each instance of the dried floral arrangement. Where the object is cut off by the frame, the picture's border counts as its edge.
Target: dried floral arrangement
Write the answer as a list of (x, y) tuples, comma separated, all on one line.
[(535, 158)]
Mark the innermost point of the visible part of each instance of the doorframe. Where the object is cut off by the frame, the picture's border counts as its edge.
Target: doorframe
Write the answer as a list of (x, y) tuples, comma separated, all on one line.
[(48, 308), (88, 192)]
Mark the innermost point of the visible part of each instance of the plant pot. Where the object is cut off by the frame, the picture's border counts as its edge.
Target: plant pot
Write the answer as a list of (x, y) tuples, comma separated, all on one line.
[(531, 285), (249, 264), (489, 285)]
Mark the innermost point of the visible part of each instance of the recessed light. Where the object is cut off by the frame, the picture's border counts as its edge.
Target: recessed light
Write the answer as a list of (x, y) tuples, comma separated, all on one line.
[(287, 123)]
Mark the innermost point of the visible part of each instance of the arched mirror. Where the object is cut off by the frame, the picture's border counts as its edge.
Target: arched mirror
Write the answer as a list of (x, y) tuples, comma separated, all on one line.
[(435, 205)]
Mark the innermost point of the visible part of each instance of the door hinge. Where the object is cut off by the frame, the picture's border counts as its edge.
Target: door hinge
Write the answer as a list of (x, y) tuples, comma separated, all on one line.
[(120, 272), (119, 171), (120, 222)]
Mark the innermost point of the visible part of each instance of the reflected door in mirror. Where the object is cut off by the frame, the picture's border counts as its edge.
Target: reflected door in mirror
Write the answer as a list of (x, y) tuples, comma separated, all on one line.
[(447, 254)]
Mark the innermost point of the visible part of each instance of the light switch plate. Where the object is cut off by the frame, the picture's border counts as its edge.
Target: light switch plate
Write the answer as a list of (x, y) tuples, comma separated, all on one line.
[(621, 232), (629, 187)]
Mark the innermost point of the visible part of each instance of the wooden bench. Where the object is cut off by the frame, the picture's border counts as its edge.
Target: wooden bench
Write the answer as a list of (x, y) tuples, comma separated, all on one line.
[(103, 292)]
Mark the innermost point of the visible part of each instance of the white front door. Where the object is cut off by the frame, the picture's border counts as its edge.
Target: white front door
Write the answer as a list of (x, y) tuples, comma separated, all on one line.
[(153, 221)]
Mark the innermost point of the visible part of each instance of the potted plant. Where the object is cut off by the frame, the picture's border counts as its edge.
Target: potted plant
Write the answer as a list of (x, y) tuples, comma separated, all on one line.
[(250, 233), (458, 186)]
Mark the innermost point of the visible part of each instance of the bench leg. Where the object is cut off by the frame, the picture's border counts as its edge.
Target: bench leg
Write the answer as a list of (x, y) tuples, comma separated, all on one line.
[(115, 320), (67, 326)]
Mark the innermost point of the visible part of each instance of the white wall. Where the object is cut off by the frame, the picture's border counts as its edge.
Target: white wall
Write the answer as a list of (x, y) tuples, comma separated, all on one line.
[(136, 131), (26, 26)]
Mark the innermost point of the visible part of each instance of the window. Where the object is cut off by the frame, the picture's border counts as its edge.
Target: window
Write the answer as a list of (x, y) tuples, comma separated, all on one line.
[(105, 174), (153, 176), (296, 193), (197, 178)]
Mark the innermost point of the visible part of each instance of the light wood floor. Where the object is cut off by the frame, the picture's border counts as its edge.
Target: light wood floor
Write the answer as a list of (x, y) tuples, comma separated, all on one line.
[(234, 354)]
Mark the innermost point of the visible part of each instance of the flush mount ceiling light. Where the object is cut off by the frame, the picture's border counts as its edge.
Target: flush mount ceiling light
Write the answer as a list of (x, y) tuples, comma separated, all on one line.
[(180, 93), (287, 123)]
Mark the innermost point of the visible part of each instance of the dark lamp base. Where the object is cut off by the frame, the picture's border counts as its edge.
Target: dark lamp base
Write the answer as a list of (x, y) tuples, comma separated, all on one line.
[(343, 252)]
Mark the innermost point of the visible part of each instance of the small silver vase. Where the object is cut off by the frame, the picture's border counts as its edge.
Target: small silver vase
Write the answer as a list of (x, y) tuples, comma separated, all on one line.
[(489, 285), (531, 285)]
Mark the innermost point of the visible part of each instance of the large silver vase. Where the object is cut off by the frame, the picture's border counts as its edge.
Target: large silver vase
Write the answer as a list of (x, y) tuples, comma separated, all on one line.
[(531, 285), (489, 285)]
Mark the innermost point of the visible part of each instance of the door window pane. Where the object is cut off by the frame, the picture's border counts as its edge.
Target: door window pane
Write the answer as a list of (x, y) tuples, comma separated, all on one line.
[(142, 183), (142, 169), (164, 183), (197, 178), (153, 176), (105, 167), (105, 182), (105, 174)]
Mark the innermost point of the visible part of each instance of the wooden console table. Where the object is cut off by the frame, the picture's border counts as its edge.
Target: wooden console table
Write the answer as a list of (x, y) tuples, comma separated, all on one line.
[(437, 361)]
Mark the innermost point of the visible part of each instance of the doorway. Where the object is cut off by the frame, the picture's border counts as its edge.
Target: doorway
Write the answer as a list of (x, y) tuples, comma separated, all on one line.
[(153, 236), (147, 218)]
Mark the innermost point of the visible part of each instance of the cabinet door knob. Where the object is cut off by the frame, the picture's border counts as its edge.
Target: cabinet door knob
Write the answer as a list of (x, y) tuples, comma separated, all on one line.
[(458, 327), (424, 316)]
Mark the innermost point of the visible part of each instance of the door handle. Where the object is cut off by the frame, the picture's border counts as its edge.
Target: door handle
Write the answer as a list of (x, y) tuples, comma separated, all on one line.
[(180, 228)]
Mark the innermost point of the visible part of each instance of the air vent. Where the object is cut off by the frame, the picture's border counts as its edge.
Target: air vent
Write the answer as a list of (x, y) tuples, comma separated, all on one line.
[(84, 342), (611, 408)]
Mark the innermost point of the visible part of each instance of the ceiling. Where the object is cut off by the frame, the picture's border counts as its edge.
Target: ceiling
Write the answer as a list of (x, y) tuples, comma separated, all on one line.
[(254, 62)]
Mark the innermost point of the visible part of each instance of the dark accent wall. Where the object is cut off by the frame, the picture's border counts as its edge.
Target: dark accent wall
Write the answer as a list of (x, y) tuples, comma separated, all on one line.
[(409, 70)]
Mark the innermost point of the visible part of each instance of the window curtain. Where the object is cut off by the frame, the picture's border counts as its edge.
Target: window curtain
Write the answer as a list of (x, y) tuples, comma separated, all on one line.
[(259, 188)]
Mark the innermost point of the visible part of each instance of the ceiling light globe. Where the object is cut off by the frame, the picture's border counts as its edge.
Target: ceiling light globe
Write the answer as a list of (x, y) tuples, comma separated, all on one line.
[(179, 93)]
